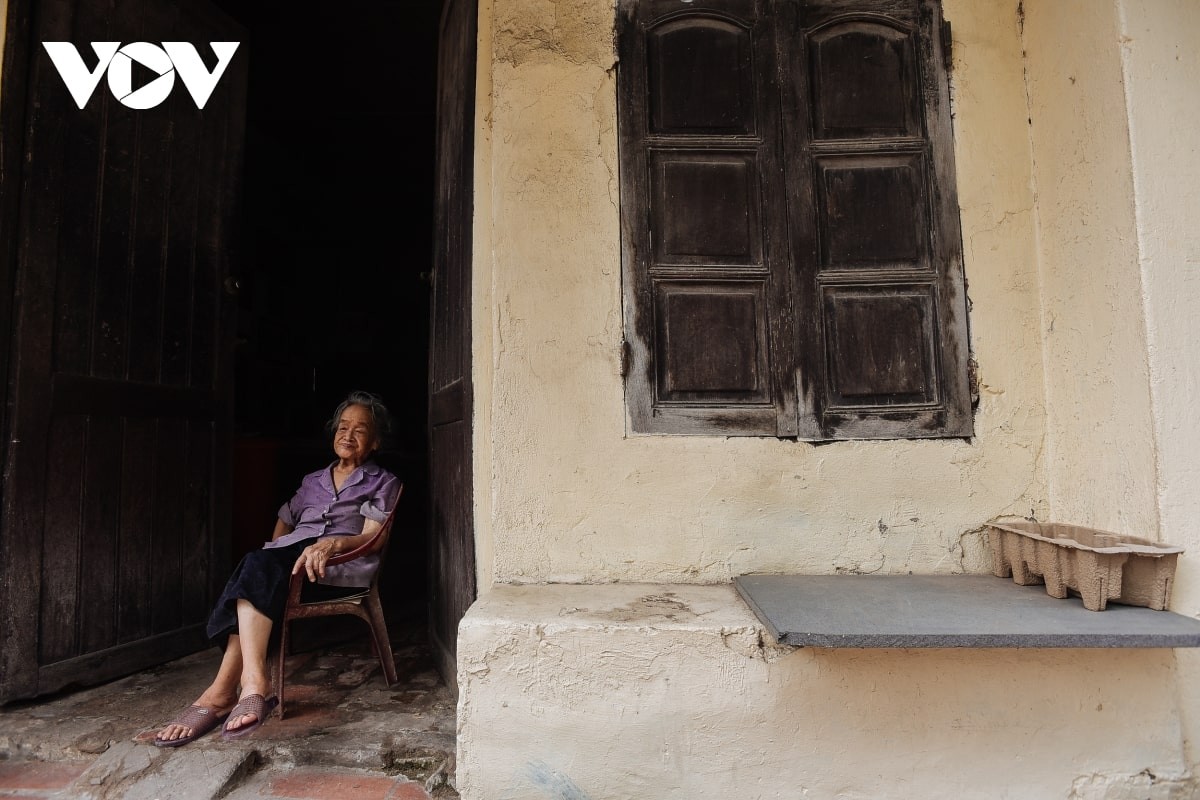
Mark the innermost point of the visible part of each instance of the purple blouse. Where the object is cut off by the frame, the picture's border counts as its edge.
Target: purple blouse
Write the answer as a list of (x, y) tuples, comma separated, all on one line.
[(317, 509)]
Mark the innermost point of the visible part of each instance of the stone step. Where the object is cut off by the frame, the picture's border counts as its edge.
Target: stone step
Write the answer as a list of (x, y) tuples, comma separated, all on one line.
[(133, 771)]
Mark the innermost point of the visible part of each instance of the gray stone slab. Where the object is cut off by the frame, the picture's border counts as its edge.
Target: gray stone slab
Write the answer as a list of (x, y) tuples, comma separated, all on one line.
[(131, 771), (947, 611)]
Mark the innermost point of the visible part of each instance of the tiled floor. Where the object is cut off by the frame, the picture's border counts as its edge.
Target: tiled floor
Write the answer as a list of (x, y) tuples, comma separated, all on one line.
[(347, 734), (323, 783), (37, 778)]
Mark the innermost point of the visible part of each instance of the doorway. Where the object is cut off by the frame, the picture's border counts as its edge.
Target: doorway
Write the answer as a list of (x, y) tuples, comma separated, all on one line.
[(334, 256), (165, 323)]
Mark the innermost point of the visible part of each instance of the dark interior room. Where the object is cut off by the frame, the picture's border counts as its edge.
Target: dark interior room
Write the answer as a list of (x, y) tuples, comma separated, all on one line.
[(334, 255)]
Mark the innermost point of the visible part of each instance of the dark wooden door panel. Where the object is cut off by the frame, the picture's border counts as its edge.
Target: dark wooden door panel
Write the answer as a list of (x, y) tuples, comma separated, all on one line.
[(452, 554), (115, 505), (453, 551)]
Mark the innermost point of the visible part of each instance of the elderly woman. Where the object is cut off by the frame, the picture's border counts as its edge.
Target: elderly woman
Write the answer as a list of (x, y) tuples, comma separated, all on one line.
[(336, 509)]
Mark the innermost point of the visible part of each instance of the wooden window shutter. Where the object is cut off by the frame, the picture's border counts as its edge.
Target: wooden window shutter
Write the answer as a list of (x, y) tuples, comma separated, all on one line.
[(792, 257), (874, 221), (706, 288)]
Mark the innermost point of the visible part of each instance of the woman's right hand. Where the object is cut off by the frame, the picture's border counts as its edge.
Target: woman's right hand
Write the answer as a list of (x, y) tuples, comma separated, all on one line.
[(314, 557)]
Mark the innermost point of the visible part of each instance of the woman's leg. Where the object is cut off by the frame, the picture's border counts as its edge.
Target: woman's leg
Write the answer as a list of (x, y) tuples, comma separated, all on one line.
[(254, 628)]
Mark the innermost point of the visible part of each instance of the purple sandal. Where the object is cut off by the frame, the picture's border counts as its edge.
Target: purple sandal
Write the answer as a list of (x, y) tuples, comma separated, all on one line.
[(200, 719), (250, 704)]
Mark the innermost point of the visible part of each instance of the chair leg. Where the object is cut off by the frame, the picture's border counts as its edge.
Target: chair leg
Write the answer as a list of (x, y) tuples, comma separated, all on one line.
[(283, 644), (379, 634)]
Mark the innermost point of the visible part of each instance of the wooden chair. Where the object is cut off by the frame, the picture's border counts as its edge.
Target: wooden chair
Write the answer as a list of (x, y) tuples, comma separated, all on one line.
[(365, 606)]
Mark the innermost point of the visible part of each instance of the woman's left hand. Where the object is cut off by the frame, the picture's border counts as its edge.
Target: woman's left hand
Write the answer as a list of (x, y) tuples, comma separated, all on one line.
[(314, 558)]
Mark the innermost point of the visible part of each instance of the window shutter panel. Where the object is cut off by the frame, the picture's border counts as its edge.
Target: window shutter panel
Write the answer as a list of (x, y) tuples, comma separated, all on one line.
[(708, 316), (881, 299), (791, 254)]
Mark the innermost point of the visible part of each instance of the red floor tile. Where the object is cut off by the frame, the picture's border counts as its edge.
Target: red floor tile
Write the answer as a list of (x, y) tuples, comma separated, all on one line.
[(37, 775), (409, 791), (319, 784)]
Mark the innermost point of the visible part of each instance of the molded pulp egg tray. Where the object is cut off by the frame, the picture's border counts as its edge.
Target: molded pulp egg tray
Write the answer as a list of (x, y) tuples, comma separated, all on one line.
[(1099, 566)]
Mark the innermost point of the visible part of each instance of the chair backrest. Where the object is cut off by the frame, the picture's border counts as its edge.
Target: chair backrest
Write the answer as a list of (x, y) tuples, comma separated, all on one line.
[(385, 533), (377, 543)]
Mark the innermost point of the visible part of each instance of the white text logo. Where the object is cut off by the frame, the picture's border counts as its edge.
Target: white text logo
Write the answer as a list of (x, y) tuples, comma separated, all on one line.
[(165, 61)]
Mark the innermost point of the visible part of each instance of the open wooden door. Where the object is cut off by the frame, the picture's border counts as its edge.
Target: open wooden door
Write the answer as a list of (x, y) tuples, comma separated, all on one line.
[(452, 551), (115, 235)]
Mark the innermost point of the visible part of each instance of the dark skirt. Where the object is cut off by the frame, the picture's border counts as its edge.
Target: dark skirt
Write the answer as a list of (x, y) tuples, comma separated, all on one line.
[(262, 577)]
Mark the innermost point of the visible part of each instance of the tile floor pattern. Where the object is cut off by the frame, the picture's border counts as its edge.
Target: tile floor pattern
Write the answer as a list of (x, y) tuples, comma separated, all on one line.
[(347, 735), (328, 784), (38, 779)]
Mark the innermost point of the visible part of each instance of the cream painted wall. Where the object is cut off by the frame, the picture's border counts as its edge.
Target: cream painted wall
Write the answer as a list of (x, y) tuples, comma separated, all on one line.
[(1100, 442), (565, 494), (1162, 76), (1162, 80)]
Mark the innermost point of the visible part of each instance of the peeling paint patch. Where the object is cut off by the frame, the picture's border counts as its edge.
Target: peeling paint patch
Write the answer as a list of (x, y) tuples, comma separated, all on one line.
[(1144, 785), (753, 643), (534, 31)]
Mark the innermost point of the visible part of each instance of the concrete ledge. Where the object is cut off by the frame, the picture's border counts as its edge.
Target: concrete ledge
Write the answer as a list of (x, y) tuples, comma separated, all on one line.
[(677, 692), (947, 611), (675, 607)]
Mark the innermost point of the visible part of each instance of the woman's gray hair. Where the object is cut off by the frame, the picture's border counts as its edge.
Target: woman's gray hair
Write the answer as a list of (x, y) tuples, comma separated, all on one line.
[(374, 404)]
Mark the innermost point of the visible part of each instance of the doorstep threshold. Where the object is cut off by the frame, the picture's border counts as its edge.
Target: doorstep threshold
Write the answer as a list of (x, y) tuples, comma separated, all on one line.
[(947, 611)]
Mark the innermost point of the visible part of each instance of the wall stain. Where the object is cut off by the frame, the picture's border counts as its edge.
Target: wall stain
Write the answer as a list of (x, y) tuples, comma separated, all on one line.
[(553, 783), (665, 605)]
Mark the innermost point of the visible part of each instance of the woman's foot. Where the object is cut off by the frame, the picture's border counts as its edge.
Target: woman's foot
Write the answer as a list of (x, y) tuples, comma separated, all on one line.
[(203, 715), (249, 713)]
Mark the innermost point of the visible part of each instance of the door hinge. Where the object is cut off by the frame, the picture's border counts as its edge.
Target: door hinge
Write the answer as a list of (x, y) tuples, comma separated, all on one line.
[(626, 358)]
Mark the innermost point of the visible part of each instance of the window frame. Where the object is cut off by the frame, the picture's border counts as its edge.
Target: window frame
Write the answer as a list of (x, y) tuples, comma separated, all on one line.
[(797, 374)]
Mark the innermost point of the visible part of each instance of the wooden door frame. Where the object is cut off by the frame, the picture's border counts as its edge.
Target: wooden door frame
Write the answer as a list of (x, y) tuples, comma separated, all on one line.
[(455, 400)]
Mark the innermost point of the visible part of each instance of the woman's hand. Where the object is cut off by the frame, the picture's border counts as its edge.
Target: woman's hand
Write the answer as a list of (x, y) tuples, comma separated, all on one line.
[(315, 556)]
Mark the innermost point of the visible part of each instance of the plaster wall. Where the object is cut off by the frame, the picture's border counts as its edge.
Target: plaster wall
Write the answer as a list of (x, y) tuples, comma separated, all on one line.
[(565, 494), (1100, 463), (1162, 72), (668, 692)]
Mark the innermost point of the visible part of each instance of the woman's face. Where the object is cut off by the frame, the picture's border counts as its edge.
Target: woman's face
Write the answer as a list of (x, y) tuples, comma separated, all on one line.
[(354, 438)]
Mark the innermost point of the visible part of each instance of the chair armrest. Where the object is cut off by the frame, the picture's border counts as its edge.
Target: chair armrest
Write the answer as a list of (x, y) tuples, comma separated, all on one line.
[(372, 545), (375, 543), (365, 549), (298, 579), (295, 585)]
